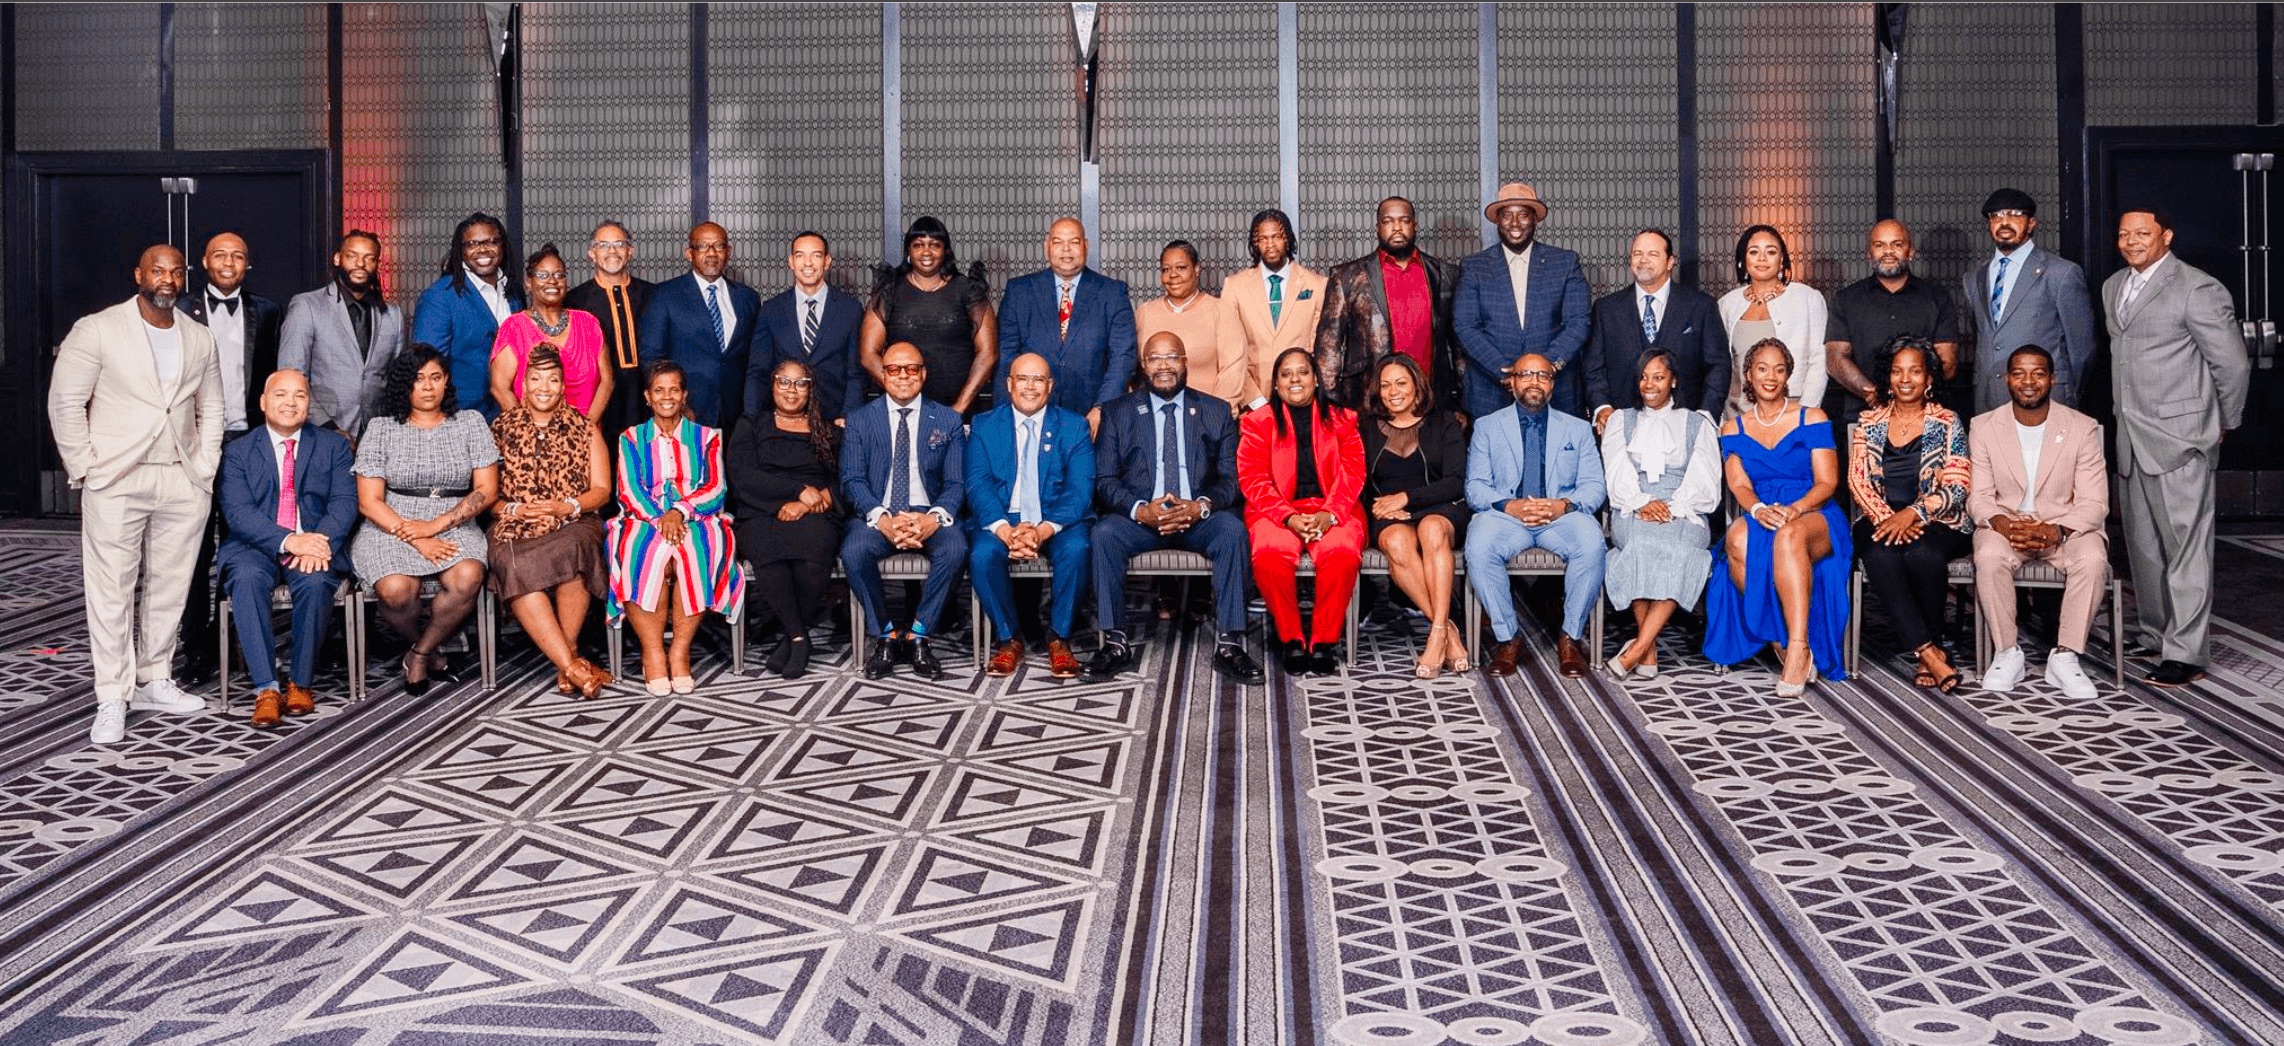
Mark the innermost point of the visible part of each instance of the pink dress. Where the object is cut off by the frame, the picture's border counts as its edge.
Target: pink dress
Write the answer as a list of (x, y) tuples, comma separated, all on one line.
[(581, 347)]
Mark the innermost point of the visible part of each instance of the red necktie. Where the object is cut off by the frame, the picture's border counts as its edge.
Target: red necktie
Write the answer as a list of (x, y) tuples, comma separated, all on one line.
[(289, 514), (1063, 310)]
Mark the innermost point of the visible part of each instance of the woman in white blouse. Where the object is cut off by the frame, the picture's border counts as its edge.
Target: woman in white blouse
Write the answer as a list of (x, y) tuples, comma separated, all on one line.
[(1767, 304), (1662, 465)]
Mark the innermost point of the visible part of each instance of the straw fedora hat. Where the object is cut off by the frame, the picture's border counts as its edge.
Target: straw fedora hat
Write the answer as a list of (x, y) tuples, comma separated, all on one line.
[(1514, 193)]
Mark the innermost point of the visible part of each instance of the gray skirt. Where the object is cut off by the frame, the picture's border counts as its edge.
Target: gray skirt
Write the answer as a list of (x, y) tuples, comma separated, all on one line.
[(1656, 561)]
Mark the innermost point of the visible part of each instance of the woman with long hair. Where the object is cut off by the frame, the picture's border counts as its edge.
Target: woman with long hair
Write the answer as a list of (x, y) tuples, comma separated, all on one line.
[(1300, 465), (784, 468), (1908, 475), (1415, 499), (944, 313), (1768, 303)]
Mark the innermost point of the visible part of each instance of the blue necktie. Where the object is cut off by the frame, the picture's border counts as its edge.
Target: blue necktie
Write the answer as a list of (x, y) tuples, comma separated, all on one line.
[(809, 329), (714, 311), (1998, 287), (900, 464), (1169, 453), (1276, 298), (1649, 321), (1027, 503)]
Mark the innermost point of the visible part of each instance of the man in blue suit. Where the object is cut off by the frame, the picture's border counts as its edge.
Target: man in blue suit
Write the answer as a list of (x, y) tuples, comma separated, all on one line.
[(1655, 313), (1534, 479), (289, 501), (1030, 478), (814, 324), (1551, 322), (1079, 320), (2025, 296), (460, 314), (705, 322), (902, 470)]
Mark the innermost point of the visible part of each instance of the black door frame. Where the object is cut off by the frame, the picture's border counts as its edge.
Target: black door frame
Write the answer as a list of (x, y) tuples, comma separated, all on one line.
[(2098, 224)]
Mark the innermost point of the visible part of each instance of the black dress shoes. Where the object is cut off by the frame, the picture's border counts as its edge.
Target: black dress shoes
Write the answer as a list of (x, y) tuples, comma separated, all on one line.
[(880, 660), (1233, 664), (1297, 659), (924, 662), (2170, 674), (1322, 660), (197, 668), (1110, 660)]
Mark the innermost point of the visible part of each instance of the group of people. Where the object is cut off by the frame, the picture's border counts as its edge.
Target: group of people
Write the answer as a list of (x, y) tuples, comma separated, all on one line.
[(1436, 412)]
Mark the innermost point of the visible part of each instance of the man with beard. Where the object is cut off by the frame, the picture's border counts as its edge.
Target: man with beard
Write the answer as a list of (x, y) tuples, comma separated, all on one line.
[(1655, 313), (614, 296), (343, 335), (1520, 296), (1269, 307), (1534, 479), (1395, 299), (135, 402), (460, 314), (1869, 313), (2025, 296), (704, 321)]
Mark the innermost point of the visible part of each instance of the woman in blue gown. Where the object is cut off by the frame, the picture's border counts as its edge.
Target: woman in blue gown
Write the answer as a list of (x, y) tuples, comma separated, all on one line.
[(1786, 560)]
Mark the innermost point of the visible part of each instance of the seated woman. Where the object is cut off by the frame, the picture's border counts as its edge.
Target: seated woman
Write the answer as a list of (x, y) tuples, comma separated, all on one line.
[(1908, 472), (425, 470), (1415, 495), (784, 467), (1662, 463), (574, 334), (1300, 465), (672, 554), (547, 543), (1787, 560)]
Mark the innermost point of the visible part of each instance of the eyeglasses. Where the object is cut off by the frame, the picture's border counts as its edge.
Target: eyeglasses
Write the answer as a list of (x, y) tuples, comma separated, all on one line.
[(1166, 358), (1532, 375), (792, 383), (611, 245), (2007, 214), (904, 370), (465, 244), (555, 276)]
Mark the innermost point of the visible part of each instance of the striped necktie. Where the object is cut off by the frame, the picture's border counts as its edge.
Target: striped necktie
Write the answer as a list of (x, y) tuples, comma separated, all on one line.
[(1998, 287), (809, 328), (714, 312)]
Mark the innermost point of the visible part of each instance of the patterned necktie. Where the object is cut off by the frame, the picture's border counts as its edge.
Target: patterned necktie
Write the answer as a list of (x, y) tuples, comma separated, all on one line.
[(289, 513), (809, 329), (1027, 502), (900, 464), (1276, 298), (1063, 309), (1169, 453), (714, 310), (1998, 287), (1649, 321)]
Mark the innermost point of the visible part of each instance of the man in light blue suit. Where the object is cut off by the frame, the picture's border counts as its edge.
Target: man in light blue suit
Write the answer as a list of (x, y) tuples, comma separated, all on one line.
[(1078, 320), (460, 314), (1030, 477), (1534, 479), (2026, 296), (1552, 321)]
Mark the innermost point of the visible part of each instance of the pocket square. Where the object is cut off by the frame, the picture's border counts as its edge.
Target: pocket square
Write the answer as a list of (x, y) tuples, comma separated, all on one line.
[(1305, 295)]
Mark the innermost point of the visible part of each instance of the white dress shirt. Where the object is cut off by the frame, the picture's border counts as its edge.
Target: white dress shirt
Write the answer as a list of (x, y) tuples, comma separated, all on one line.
[(1519, 278), (2138, 282), (495, 295), (229, 330), (912, 472), (722, 295)]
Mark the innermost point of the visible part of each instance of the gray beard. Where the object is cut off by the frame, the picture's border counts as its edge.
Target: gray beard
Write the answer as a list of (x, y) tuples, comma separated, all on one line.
[(160, 300), (1886, 273)]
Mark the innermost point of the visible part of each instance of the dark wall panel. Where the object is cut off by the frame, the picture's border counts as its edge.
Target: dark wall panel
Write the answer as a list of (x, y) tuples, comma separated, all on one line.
[(249, 76), (87, 76), (606, 101), (1978, 113), (2169, 64)]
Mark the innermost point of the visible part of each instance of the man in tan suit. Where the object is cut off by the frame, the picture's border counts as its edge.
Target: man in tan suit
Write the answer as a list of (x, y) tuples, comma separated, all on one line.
[(136, 405), (2041, 491), (1270, 307)]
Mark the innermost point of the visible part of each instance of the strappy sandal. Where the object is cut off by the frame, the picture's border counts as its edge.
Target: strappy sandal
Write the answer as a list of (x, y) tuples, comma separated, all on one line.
[(1927, 679), (1457, 662)]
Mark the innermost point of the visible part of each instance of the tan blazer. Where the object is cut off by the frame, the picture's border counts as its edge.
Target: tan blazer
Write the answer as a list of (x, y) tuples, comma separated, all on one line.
[(109, 411), (1245, 328), (2073, 480)]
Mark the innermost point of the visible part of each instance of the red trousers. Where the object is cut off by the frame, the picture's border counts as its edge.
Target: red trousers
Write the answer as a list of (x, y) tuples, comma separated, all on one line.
[(1276, 559)]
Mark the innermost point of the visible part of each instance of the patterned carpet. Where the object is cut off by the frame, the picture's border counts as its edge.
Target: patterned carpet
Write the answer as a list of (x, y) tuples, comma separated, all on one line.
[(1362, 860)]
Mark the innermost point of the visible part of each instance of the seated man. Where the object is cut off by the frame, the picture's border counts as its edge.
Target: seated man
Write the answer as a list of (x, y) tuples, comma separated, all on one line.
[(1534, 478), (1166, 477), (1030, 477), (288, 501), (2040, 491), (901, 475)]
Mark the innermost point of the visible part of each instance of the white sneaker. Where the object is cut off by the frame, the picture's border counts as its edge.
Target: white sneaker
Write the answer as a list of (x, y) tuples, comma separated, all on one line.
[(2006, 670), (110, 723), (2063, 671), (161, 695)]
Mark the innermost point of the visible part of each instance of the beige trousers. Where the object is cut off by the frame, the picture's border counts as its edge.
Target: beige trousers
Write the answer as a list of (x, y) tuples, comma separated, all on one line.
[(142, 529), (2084, 561)]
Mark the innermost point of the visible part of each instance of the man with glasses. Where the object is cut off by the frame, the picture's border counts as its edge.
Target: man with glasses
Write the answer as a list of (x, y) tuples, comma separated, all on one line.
[(460, 314), (2025, 296), (1030, 479), (903, 472), (811, 323), (704, 321), (1534, 478), (615, 296)]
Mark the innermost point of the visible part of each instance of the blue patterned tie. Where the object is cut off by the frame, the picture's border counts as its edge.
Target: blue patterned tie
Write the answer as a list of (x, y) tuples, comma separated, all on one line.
[(1998, 287), (714, 311), (1649, 321), (900, 464), (809, 329), (1028, 461)]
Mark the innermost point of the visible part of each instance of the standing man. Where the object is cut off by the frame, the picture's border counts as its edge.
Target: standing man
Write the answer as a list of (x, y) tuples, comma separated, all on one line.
[(1395, 299), (1873, 311), (136, 406), (1520, 296), (1534, 479), (343, 335), (1078, 320), (2178, 366), (902, 470), (615, 296), (813, 324), (2025, 296), (1030, 478), (704, 321), (1270, 307), (1656, 313), (460, 314)]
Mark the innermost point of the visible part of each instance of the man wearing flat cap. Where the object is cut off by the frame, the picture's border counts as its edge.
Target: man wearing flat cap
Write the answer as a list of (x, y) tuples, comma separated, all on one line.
[(2025, 296), (1520, 297)]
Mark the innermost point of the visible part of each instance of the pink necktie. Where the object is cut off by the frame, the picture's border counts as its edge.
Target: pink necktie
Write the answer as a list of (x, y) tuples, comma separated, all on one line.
[(289, 515)]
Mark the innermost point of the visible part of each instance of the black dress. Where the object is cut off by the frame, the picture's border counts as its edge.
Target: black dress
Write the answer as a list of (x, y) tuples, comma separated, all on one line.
[(941, 324), (1434, 474), (767, 467)]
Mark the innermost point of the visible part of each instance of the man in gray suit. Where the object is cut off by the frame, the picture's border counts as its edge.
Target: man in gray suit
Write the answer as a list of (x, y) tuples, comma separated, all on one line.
[(2178, 365), (2025, 296), (343, 336)]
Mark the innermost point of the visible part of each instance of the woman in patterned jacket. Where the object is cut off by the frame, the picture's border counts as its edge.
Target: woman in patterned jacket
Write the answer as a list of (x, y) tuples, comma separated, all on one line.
[(547, 544), (1909, 473)]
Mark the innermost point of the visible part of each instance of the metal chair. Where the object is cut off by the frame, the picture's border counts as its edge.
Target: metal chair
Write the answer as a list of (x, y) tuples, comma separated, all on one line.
[(1376, 565), (616, 642), (1535, 562), (352, 629), (2032, 574), (487, 625)]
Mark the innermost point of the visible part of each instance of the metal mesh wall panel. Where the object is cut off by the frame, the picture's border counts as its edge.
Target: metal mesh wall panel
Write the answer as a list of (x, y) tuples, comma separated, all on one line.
[(1978, 113), (794, 103), (607, 128), (2170, 64), (249, 76), (991, 127), (1188, 134), (1587, 115), (1785, 135), (87, 76), (1388, 108)]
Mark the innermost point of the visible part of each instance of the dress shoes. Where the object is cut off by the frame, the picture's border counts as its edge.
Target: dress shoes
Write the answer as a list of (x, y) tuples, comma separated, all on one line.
[(1296, 658), (2170, 674), (1061, 663), (587, 677), (1322, 661), (1231, 661), (269, 707), (1503, 658), (1573, 655), (298, 700), (881, 659), (1109, 660), (197, 668), (901, 649), (797, 659), (1005, 658), (924, 663)]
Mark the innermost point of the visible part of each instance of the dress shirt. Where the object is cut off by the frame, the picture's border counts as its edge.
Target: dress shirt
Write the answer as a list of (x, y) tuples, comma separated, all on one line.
[(802, 304), (2033, 439), (1519, 278), (277, 461), (229, 329), (2139, 282), (1284, 288), (912, 472), (1158, 439), (495, 294), (1026, 466), (729, 312), (166, 350), (1411, 310), (1662, 295), (2004, 287)]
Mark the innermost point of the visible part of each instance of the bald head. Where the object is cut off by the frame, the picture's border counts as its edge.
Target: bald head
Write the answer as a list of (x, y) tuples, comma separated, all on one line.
[(285, 400), (1890, 249), (1066, 247), (225, 262), (1531, 379), (159, 276), (1165, 363), (709, 250), (1029, 382)]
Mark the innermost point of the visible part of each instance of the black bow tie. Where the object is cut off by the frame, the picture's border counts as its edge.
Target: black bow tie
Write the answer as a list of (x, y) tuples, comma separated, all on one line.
[(229, 304)]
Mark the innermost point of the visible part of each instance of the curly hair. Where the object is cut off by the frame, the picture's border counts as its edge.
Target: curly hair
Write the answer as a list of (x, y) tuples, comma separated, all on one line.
[(545, 251), (1770, 343), (1423, 397), (1884, 363), (395, 399), (1284, 223)]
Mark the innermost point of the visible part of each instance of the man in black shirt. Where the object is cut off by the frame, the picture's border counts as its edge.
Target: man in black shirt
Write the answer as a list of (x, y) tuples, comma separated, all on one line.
[(615, 296), (1873, 311)]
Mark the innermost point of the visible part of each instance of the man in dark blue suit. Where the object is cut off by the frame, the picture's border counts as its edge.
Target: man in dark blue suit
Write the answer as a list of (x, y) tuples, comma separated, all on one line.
[(1655, 313), (1166, 477), (902, 472), (1552, 321), (289, 501), (705, 322), (460, 314), (1079, 320), (813, 324), (1030, 478)]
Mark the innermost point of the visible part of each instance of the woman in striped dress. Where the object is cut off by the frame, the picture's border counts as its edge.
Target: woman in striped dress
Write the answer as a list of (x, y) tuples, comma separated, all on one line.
[(672, 554)]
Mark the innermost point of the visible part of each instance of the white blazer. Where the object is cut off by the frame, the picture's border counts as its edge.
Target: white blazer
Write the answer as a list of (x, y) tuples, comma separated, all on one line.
[(109, 410), (1799, 315)]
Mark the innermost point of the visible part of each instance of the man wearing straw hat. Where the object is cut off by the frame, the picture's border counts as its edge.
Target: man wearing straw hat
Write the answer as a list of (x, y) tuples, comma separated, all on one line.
[(1520, 296)]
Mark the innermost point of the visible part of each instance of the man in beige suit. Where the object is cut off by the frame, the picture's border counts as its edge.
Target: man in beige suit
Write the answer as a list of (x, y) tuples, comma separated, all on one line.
[(136, 405), (2041, 491), (1270, 307)]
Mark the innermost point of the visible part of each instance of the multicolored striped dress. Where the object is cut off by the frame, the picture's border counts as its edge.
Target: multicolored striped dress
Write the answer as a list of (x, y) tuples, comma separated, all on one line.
[(659, 472)]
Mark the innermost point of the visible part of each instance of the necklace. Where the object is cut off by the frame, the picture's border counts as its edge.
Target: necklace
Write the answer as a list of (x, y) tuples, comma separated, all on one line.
[(1766, 422), (1760, 297), (555, 331), (1184, 303)]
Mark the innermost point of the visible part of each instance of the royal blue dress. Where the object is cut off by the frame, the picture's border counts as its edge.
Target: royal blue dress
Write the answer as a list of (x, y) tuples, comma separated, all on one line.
[(1738, 624)]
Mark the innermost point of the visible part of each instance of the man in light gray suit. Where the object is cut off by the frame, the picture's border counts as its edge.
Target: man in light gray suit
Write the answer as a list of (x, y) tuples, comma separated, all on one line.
[(343, 336), (2178, 365), (2026, 296)]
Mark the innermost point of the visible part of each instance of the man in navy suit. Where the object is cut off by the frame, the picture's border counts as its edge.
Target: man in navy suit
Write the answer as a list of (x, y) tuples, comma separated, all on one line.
[(289, 500), (705, 322), (1079, 320), (460, 314), (815, 325), (1554, 305), (1166, 477), (1030, 479), (2025, 296), (1655, 313), (902, 472)]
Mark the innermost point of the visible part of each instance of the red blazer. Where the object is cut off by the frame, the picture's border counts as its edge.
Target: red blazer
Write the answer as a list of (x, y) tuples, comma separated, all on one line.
[(1265, 472)]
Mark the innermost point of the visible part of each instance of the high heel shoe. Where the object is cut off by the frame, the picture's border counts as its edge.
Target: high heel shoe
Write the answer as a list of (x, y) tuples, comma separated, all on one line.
[(683, 684), (415, 658), (1457, 663), (1946, 680), (1785, 689), (1429, 666), (563, 683), (585, 676)]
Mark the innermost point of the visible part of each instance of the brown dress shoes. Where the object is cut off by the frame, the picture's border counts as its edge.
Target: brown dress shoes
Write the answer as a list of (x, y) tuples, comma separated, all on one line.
[(1004, 658), (1503, 658), (1573, 657), (298, 700), (1061, 663), (269, 707)]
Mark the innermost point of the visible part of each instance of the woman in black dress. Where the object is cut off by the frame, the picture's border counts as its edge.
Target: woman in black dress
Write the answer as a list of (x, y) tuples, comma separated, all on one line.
[(1415, 498), (784, 468), (946, 315)]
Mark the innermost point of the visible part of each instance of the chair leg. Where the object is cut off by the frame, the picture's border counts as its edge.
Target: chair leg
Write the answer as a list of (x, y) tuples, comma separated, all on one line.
[(353, 644), (737, 645), (1594, 659), (487, 637), (222, 659), (1855, 651), (1472, 613), (615, 645), (856, 632), (2117, 631)]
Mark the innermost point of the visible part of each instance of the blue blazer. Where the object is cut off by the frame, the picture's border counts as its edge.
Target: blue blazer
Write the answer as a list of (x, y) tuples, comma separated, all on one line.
[(675, 325), (1126, 451), (1483, 316), (1573, 461), (836, 385), (325, 494), (869, 446), (1066, 468), (1690, 329), (1091, 366), (458, 324)]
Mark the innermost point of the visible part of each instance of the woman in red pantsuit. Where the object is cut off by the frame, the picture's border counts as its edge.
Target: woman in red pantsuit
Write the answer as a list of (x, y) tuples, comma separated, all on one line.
[(1300, 464)]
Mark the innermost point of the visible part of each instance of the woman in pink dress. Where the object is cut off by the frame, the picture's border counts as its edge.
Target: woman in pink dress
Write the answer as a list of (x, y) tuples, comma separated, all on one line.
[(576, 336)]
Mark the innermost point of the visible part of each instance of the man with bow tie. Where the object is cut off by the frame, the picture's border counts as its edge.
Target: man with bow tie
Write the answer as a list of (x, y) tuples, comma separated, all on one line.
[(245, 327), (1030, 478)]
